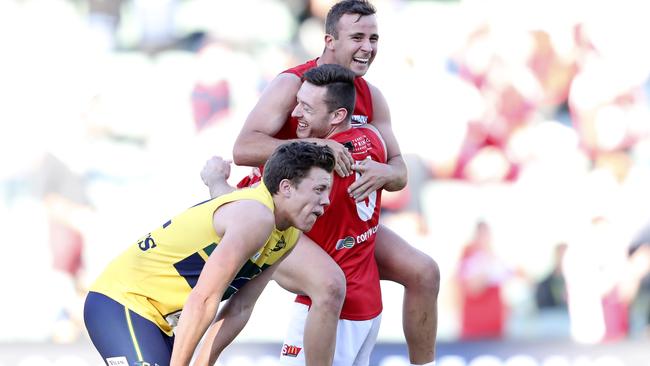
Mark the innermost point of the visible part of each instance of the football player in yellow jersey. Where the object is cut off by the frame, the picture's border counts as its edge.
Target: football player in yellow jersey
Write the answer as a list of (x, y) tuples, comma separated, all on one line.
[(226, 247)]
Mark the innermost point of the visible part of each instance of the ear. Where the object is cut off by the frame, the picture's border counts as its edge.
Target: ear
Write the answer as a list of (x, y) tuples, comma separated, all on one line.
[(339, 116), (285, 188), (329, 42)]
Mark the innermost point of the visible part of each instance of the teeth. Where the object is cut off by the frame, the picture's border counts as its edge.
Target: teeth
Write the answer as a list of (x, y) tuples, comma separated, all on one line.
[(362, 60)]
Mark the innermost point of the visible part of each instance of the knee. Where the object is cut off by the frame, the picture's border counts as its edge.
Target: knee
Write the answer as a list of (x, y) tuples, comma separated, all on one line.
[(424, 274), (329, 293)]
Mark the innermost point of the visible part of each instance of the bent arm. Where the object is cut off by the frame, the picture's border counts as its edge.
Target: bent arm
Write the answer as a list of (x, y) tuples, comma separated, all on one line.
[(239, 242), (233, 317), (255, 142), (396, 178)]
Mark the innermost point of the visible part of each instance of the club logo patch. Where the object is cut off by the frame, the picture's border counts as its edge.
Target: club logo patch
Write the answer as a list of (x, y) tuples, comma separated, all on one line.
[(290, 351), (347, 243), (281, 244)]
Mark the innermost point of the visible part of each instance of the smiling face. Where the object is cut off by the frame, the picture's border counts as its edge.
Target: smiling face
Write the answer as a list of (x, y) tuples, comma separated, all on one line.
[(307, 200), (314, 118), (356, 44)]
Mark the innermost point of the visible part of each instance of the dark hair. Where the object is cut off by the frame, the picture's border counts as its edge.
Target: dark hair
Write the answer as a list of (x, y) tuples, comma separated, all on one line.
[(359, 7), (339, 83), (293, 161)]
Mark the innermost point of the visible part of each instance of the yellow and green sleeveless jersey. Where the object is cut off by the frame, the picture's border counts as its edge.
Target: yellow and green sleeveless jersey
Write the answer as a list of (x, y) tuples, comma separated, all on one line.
[(154, 276)]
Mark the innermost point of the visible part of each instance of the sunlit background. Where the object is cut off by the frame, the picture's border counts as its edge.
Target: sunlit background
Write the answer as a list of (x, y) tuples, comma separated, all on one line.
[(525, 125)]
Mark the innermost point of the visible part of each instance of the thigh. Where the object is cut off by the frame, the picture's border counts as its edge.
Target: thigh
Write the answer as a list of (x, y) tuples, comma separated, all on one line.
[(307, 269), (397, 260), (123, 337)]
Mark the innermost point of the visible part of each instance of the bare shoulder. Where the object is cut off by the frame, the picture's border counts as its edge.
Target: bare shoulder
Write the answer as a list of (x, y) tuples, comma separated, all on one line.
[(379, 105), (374, 91), (284, 82), (272, 108), (246, 213)]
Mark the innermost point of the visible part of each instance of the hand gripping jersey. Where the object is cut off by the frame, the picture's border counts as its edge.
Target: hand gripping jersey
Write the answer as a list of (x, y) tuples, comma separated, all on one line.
[(155, 275), (346, 231), (362, 113)]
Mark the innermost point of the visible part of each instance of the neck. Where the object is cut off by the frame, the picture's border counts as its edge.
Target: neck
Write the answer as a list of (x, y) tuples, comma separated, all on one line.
[(344, 126), (281, 218), (326, 58)]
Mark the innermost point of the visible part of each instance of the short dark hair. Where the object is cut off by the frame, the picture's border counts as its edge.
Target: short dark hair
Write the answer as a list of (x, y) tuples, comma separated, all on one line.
[(359, 7), (339, 84), (293, 161)]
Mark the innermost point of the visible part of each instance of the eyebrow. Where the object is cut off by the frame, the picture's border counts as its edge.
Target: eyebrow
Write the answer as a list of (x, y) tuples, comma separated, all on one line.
[(305, 103), (361, 34)]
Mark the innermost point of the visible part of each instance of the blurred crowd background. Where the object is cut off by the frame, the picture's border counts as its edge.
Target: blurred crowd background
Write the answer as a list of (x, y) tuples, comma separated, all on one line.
[(525, 125)]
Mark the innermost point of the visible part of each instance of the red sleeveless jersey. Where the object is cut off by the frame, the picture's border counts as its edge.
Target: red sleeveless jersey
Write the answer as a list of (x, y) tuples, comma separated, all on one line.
[(342, 225), (347, 229)]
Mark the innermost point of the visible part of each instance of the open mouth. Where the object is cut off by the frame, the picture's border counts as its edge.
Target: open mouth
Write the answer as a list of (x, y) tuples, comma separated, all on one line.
[(363, 61), (302, 124)]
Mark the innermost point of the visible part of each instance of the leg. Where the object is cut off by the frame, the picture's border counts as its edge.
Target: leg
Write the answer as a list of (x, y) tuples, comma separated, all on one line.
[(311, 271), (123, 337), (419, 274)]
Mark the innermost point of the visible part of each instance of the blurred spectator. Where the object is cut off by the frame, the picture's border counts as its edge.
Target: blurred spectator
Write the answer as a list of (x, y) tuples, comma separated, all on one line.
[(481, 275), (636, 288), (68, 208), (593, 266), (551, 291), (551, 299)]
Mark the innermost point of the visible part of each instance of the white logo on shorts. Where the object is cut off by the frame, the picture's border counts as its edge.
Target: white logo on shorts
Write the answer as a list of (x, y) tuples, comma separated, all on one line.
[(117, 361)]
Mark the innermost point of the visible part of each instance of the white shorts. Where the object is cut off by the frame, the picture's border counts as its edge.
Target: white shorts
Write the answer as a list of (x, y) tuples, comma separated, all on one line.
[(354, 340)]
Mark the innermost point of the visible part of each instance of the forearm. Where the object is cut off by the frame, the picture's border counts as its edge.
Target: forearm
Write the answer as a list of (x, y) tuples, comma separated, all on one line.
[(195, 318), (397, 178), (229, 323)]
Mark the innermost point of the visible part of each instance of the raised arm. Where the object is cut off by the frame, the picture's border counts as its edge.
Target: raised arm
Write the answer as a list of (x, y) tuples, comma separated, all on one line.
[(391, 176), (240, 240), (232, 318)]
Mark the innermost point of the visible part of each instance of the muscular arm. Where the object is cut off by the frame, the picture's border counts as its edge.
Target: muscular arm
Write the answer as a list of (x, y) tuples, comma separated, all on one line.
[(256, 143), (232, 318), (391, 176), (240, 240)]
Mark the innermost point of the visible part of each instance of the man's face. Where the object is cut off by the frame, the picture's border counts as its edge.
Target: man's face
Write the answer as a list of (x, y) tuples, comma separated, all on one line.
[(356, 45), (309, 199), (314, 120)]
